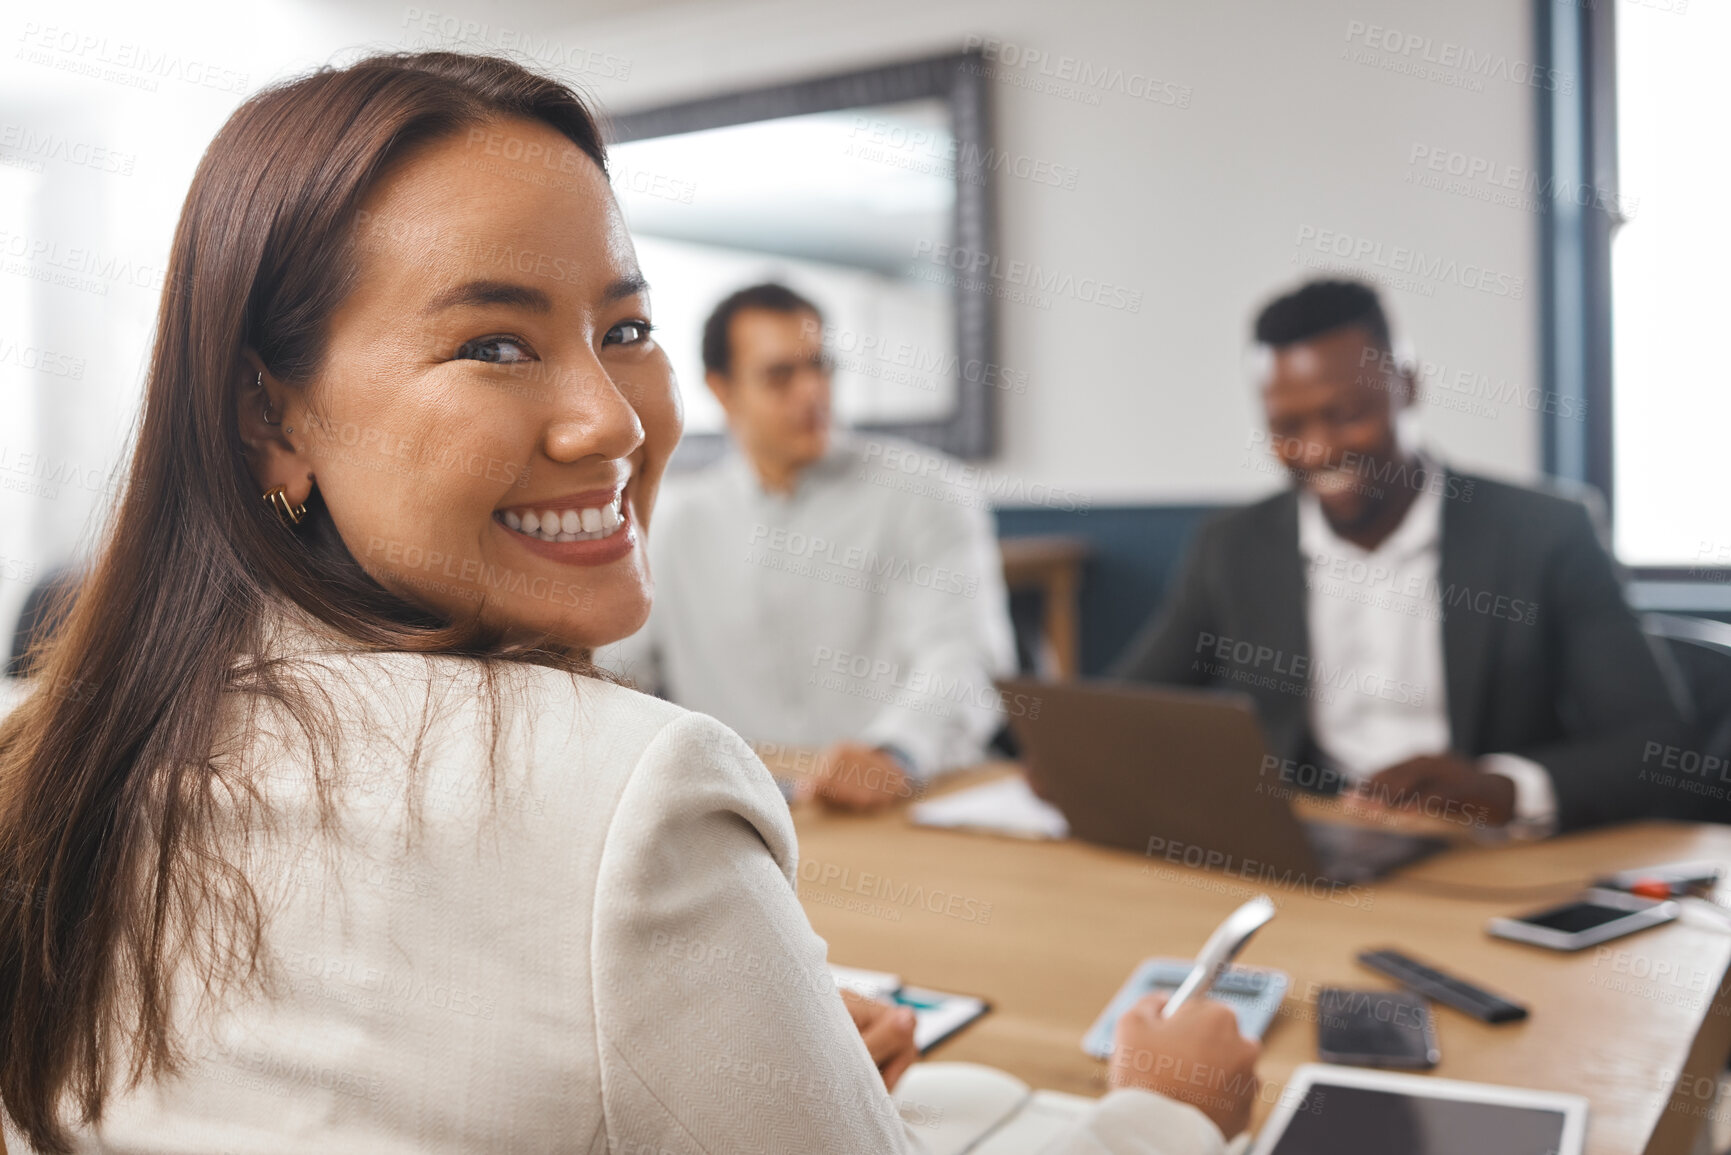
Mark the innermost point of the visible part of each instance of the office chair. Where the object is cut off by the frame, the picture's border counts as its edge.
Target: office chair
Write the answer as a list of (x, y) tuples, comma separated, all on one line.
[(1701, 650)]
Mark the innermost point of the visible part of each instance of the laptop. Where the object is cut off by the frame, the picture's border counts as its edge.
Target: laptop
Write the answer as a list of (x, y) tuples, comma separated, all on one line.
[(1184, 777)]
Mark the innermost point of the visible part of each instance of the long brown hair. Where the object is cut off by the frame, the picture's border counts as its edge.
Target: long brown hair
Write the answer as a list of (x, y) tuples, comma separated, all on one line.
[(109, 788)]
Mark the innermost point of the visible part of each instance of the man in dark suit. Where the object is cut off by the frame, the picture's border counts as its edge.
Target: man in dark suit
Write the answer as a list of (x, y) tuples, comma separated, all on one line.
[(1428, 637)]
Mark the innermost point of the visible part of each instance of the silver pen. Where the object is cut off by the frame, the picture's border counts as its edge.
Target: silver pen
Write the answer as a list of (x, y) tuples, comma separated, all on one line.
[(1221, 948)]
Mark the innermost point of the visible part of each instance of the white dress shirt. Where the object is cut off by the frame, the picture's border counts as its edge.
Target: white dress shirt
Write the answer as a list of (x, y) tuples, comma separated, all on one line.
[(866, 605), (598, 950), (1378, 694)]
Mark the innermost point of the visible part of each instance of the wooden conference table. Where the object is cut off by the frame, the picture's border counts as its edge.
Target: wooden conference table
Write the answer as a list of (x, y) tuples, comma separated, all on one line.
[(1048, 931)]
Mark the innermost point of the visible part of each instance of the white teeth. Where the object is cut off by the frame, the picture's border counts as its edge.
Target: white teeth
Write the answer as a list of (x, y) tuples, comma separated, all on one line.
[(568, 525)]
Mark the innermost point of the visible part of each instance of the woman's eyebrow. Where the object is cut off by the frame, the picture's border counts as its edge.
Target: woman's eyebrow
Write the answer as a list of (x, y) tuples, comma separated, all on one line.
[(524, 296), (627, 286), (491, 293)]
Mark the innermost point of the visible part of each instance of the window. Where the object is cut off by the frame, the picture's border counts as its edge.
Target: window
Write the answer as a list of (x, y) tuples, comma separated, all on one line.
[(1633, 292), (1671, 398)]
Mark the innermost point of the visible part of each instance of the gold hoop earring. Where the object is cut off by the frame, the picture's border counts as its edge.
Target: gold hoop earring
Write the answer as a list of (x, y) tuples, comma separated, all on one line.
[(277, 498)]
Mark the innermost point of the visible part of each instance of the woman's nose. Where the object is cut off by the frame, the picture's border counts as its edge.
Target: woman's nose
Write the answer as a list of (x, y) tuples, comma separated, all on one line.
[(592, 416)]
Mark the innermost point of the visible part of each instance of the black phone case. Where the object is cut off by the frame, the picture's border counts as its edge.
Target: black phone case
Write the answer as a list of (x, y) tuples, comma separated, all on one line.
[(1343, 1016)]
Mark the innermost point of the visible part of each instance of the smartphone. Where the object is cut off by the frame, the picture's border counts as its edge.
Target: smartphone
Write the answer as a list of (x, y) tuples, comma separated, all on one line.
[(1594, 917), (1375, 1029)]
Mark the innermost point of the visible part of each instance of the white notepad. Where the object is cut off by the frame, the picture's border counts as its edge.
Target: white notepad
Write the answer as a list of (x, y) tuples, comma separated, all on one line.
[(969, 1109), (1005, 806), (958, 1108)]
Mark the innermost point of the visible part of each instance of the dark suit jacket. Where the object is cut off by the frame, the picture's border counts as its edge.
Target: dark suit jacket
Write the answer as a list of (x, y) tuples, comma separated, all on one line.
[(1542, 655)]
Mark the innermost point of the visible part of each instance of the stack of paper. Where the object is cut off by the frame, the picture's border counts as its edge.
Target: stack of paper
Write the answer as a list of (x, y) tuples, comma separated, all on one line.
[(1005, 806)]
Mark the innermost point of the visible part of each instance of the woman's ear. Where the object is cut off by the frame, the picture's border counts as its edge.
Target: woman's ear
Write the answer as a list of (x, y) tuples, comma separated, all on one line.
[(272, 432)]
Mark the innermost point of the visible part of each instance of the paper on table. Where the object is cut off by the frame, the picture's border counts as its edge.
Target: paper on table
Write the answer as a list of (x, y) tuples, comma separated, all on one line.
[(1006, 806), (951, 1106), (969, 1109), (1045, 1117), (867, 984)]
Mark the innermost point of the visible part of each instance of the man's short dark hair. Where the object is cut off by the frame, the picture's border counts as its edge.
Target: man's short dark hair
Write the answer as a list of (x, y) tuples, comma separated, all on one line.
[(1322, 307), (717, 354)]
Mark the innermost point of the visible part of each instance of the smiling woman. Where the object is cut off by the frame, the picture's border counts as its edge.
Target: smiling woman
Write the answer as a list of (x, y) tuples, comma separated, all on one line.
[(318, 830), (422, 362), (491, 319)]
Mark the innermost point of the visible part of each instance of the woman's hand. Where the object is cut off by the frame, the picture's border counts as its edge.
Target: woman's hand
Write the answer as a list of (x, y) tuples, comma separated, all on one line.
[(888, 1033), (1197, 1057)]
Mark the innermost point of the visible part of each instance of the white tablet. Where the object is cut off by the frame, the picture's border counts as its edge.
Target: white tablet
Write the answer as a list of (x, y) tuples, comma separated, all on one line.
[(1326, 1110)]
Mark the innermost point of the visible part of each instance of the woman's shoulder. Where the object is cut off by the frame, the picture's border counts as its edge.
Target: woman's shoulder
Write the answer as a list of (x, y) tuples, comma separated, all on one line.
[(450, 691), (688, 753), (587, 752), (452, 745), (575, 730)]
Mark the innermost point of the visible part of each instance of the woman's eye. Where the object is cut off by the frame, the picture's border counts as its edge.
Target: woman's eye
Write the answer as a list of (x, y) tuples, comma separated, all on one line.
[(503, 350), (628, 333)]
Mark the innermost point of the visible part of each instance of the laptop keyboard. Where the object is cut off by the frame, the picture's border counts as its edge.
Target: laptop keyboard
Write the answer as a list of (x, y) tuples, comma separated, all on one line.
[(1358, 854)]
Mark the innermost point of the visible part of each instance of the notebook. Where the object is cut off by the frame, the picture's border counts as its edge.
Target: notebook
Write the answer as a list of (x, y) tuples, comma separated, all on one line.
[(966, 1107), (969, 1109)]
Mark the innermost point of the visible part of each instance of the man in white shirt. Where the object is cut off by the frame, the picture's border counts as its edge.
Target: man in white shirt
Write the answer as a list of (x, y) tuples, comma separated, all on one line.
[(1376, 648), (823, 592), (1433, 639)]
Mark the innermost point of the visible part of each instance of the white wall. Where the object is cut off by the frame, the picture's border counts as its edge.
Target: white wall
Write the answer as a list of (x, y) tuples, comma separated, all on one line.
[(1199, 208), (1196, 208)]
